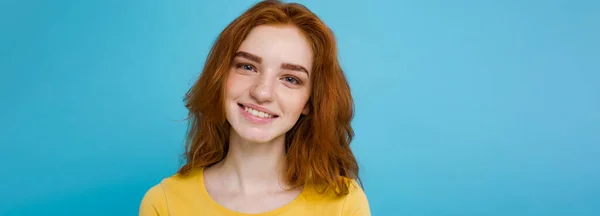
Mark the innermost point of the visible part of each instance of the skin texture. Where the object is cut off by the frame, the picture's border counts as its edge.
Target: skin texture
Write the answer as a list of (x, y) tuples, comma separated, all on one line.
[(271, 71), (283, 91)]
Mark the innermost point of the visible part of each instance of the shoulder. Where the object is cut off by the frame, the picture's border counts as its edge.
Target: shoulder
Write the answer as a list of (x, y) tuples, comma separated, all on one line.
[(155, 201), (355, 202)]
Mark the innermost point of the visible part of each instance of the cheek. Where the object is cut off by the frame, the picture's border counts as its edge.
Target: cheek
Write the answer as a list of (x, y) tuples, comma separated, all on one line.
[(294, 100), (235, 85)]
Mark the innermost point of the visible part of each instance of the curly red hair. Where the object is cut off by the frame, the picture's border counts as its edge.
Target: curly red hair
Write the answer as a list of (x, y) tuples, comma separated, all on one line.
[(318, 146)]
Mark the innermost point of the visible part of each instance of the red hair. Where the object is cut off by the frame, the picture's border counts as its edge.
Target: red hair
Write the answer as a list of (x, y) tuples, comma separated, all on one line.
[(318, 146)]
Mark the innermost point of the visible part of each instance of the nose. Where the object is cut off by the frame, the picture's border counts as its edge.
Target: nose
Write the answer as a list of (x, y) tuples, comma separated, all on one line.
[(262, 91)]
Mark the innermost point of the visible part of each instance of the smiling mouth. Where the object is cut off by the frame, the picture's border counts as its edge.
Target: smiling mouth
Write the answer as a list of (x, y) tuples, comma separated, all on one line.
[(256, 113)]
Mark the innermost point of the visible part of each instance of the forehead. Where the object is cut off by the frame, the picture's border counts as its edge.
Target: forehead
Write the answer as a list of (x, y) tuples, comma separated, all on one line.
[(277, 44)]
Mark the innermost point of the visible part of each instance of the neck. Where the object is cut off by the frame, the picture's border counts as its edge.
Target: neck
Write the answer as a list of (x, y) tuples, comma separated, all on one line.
[(252, 167)]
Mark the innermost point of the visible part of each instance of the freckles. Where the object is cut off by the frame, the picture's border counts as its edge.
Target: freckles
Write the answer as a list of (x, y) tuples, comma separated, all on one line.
[(229, 86), (234, 86), (230, 78), (293, 101), (238, 84)]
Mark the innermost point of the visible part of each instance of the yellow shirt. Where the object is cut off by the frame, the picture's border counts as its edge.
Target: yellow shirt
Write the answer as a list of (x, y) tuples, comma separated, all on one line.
[(186, 195)]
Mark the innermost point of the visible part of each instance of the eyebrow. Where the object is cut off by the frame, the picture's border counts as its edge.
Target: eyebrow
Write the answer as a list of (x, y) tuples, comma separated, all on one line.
[(289, 66), (258, 59), (248, 56)]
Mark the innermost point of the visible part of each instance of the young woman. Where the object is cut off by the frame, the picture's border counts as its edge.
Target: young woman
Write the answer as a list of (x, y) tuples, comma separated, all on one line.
[(269, 125)]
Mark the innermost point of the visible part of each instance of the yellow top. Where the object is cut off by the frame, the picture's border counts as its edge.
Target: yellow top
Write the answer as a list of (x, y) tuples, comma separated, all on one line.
[(186, 195)]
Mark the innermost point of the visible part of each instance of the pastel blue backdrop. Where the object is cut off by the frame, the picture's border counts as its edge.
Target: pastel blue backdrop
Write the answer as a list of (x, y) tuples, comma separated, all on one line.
[(462, 107)]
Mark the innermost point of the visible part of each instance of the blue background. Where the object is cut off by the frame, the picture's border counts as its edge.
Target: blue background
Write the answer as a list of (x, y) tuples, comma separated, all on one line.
[(462, 107)]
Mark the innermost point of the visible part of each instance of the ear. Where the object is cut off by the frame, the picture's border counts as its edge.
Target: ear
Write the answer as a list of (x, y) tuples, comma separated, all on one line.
[(306, 109)]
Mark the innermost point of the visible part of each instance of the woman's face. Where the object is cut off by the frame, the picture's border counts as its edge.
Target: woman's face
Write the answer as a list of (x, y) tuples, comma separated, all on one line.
[(268, 85)]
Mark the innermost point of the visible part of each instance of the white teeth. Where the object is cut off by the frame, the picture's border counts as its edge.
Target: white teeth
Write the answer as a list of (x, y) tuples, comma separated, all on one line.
[(257, 113)]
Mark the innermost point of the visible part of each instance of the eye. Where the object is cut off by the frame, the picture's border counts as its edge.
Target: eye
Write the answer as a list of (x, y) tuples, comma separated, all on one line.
[(291, 80), (246, 67)]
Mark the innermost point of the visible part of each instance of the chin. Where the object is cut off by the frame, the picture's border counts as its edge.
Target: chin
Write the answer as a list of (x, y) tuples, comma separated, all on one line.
[(255, 135)]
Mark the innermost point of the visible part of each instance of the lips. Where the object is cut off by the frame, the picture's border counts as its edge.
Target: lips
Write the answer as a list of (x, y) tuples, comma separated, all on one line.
[(258, 112)]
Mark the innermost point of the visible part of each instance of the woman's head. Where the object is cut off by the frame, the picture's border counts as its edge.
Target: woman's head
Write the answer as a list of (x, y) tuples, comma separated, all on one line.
[(268, 84), (273, 73)]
